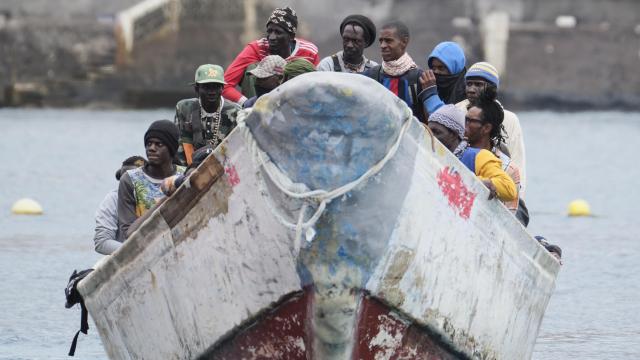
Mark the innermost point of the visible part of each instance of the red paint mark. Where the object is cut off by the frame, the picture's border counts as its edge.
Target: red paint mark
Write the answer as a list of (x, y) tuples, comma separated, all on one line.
[(232, 175), (459, 196)]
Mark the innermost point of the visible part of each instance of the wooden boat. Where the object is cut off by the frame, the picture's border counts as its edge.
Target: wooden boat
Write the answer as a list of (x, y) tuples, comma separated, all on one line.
[(330, 224)]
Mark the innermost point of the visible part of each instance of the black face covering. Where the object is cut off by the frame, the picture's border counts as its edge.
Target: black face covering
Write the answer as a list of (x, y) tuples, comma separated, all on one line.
[(451, 88), (261, 90)]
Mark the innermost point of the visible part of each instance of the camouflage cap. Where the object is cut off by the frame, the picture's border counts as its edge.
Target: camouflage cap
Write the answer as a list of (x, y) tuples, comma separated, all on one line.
[(209, 73)]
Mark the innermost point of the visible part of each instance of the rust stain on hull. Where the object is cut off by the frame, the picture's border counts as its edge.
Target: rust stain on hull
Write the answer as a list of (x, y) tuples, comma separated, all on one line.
[(395, 272), (279, 333), (286, 332)]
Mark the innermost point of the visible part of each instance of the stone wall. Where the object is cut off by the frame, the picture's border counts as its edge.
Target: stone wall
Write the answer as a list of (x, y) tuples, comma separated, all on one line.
[(573, 69), (64, 51)]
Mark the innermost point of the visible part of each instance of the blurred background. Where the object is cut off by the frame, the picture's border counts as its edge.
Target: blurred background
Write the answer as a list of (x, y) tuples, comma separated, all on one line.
[(564, 54), (81, 80)]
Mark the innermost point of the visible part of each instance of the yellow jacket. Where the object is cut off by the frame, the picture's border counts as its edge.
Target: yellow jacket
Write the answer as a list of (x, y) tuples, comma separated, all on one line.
[(514, 142), (489, 167)]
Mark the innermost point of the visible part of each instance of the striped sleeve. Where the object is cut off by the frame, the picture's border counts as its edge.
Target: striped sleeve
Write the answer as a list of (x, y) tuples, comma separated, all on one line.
[(308, 51)]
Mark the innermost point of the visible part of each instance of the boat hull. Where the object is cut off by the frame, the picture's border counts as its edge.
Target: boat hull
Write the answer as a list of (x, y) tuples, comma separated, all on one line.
[(412, 262)]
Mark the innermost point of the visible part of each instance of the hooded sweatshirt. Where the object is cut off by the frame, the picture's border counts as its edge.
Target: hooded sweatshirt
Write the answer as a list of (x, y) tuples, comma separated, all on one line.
[(450, 89)]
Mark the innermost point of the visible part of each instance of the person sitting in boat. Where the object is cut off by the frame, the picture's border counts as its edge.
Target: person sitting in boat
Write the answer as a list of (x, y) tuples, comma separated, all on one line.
[(297, 67), (280, 40), (398, 72), (448, 125), (444, 81), (358, 33), (139, 188), (483, 77), (172, 183), (268, 74), (483, 131), (107, 237), (206, 119)]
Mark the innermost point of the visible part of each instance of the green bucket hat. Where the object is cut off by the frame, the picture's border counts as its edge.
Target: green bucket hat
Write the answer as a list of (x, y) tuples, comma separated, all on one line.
[(209, 73)]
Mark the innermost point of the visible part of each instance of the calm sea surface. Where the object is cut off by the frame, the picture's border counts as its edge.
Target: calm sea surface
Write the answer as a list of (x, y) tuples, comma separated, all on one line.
[(66, 160)]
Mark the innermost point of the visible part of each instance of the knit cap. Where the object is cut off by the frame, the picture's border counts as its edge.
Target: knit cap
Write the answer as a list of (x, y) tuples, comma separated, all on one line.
[(167, 132), (365, 23), (286, 18), (297, 67), (484, 70), (450, 117)]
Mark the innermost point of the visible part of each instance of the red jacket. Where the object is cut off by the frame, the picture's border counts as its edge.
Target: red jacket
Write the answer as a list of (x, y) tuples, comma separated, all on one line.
[(253, 53)]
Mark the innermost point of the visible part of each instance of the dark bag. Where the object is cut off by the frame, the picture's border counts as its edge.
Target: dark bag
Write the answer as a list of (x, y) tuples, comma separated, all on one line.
[(522, 214), (73, 297)]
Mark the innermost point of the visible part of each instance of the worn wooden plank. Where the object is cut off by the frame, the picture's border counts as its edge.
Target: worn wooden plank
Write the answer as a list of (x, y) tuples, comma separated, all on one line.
[(179, 205)]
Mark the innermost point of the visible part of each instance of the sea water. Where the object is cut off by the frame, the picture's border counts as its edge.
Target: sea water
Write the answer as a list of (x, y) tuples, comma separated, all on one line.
[(66, 160)]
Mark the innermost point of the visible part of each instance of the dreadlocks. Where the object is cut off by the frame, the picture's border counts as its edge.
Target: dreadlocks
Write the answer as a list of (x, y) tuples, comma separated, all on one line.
[(492, 113)]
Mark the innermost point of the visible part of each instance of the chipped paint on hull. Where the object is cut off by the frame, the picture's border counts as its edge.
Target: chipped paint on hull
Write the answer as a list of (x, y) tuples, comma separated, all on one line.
[(279, 333), (392, 272)]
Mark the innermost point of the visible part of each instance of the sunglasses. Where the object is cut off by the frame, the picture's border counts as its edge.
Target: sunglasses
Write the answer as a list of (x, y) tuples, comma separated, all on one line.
[(468, 120)]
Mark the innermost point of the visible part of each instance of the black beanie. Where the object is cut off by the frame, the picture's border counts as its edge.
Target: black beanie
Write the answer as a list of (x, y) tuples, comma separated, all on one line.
[(167, 132), (365, 23)]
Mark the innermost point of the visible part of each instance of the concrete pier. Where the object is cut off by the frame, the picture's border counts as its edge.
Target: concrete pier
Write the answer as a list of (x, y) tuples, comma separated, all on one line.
[(60, 53)]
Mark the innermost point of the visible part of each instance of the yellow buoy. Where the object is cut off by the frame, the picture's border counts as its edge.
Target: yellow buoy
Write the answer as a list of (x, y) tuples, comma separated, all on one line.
[(579, 208), (26, 207)]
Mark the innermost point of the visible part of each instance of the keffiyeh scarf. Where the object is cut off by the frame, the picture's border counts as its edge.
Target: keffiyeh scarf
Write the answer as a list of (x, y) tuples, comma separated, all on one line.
[(400, 66)]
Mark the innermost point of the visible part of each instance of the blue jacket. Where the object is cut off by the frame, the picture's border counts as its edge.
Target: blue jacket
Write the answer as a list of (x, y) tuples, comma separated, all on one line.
[(450, 88), (451, 54)]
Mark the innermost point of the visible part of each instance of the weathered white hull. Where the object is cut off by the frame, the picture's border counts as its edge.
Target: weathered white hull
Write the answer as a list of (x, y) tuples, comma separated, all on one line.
[(418, 239)]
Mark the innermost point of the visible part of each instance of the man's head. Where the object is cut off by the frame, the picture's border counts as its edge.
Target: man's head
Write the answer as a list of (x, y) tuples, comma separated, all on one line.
[(281, 31), (129, 163), (480, 78), (209, 80), (297, 67), (447, 58), (394, 38), (358, 32), (447, 125), (483, 122), (161, 142), (268, 73)]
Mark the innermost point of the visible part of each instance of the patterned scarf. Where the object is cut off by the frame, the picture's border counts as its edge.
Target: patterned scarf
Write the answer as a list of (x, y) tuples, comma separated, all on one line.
[(460, 149), (400, 66)]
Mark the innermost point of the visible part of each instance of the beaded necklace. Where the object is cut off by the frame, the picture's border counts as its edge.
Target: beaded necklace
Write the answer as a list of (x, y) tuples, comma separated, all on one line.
[(354, 67), (212, 123)]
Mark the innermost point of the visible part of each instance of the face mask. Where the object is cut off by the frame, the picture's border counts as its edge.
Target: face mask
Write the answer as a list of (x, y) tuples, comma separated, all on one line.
[(446, 80), (261, 90), (447, 85)]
